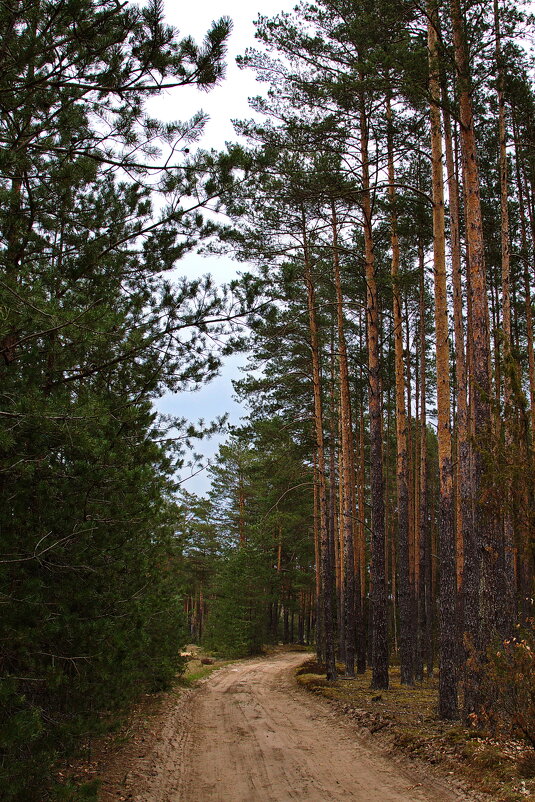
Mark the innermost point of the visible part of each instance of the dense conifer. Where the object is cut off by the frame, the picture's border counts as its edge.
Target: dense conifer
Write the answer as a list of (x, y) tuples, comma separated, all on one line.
[(91, 333)]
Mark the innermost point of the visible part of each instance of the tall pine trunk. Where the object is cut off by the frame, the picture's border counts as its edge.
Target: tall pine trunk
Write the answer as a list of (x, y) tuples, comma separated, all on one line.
[(463, 503), (362, 610), (378, 577), (508, 577), (347, 478), (317, 562), (325, 545), (406, 613), (448, 653), (423, 534), (481, 601)]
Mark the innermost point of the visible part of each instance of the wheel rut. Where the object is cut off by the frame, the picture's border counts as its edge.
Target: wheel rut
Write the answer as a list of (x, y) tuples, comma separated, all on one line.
[(248, 734)]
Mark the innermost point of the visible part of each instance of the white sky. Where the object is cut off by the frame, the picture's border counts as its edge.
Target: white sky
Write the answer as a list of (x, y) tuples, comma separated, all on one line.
[(227, 101)]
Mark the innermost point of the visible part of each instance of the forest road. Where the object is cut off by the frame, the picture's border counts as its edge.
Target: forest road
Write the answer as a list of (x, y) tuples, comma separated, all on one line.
[(249, 734)]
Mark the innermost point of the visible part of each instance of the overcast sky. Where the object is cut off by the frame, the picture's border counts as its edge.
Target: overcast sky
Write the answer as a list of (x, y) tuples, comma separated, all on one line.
[(227, 101)]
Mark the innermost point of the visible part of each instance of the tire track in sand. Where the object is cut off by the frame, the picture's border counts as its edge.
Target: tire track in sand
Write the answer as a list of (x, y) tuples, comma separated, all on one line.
[(251, 735)]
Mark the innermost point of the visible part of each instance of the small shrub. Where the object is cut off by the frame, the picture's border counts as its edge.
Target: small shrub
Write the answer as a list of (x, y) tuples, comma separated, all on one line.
[(511, 670), (310, 667), (312, 681), (407, 739), (489, 758)]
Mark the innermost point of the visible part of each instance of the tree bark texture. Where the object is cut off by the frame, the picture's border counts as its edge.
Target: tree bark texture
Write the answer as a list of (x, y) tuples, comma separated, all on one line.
[(448, 582), (325, 549), (378, 592)]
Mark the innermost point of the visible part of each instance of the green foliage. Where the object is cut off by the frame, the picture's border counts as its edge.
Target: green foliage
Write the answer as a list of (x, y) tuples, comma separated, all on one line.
[(260, 508), (237, 625), (91, 332)]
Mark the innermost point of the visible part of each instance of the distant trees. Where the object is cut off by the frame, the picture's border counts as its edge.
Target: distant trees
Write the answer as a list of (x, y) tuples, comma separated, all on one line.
[(246, 552)]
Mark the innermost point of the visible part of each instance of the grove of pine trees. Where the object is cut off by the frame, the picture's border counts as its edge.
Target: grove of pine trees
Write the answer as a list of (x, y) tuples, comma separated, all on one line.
[(378, 502), (387, 204)]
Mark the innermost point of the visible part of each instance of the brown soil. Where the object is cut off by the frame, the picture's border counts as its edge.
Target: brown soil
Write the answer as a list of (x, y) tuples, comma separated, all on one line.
[(249, 734)]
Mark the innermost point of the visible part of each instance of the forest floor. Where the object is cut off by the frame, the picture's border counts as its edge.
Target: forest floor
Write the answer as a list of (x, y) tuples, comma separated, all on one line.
[(250, 733), (404, 721)]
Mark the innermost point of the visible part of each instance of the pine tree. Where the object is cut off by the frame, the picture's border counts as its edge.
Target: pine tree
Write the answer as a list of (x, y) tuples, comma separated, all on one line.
[(448, 607), (89, 563)]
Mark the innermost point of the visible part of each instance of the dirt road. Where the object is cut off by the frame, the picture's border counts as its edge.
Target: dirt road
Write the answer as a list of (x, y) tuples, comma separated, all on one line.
[(249, 734)]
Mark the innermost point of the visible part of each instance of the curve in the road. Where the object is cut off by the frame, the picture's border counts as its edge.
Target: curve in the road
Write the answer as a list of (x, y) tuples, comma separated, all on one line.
[(251, 735)]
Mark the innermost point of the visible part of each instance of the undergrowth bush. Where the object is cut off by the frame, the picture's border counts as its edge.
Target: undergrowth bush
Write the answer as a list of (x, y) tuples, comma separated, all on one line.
[(511, 670)]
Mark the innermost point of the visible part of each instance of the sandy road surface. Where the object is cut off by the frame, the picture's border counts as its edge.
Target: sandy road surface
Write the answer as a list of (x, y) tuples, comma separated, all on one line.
[(248, 734)]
